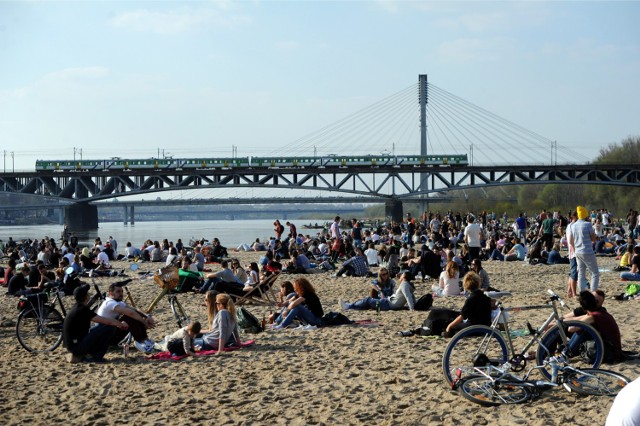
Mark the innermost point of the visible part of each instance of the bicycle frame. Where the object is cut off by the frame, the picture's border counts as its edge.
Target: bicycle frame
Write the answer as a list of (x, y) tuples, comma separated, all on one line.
[(535, 333)]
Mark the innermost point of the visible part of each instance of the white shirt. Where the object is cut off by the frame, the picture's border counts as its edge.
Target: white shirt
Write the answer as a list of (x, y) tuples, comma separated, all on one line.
[(625, 410), (372, 256), (107, 309), (103, 259), (334, 231), (472, 233)]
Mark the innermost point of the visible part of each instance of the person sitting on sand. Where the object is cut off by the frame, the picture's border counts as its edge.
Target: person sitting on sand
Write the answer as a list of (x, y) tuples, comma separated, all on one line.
[(223, 327), (18, 285), (305, 307), (383, 286), (132, 252), (602, 321), (114, 307), (356, 266), (285, 295), (402, 297), (634, 273), (86, 261), (373, 259), (476, 309), (476, 266), (449, 281), (223, 281), (77, 336), (189, 279), (181, 342)]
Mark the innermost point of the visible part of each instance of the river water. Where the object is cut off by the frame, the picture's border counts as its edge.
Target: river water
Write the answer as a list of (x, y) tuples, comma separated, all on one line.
[(231, 233)]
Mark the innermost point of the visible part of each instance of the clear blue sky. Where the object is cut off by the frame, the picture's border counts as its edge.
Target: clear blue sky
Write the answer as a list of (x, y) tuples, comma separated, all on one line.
[(126, 78)]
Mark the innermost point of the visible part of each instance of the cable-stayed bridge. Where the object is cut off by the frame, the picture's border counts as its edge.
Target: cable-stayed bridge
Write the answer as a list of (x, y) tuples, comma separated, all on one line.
[(422, 118)]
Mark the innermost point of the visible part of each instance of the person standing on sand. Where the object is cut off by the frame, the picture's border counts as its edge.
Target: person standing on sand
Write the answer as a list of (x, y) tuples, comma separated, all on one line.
[(473, 238), (582, 238)]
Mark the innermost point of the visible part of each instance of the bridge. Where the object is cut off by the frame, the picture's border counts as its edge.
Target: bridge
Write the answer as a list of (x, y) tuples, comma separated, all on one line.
[(389, 184)]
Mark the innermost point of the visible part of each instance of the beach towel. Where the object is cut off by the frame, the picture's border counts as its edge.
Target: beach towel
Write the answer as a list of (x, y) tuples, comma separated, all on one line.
[(167, 355)]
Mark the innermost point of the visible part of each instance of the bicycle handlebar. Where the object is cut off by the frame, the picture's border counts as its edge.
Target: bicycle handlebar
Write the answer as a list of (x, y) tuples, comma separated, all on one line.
[(554, 296)]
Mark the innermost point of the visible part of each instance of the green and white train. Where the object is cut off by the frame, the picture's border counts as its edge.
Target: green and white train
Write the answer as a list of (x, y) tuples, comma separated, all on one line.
[(251, 162)]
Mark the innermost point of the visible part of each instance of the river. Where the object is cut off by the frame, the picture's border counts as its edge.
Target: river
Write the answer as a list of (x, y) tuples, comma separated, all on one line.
[(231, 233)]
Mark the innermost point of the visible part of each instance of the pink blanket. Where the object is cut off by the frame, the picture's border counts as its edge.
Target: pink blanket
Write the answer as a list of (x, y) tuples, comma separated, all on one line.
[(167, 354)]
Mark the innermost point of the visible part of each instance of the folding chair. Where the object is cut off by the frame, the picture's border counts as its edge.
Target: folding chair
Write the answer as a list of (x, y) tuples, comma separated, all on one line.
[(261, 294)]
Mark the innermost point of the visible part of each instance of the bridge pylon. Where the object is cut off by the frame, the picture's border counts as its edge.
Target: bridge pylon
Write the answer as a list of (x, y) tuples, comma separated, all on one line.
[(393, 210), (81, 217)]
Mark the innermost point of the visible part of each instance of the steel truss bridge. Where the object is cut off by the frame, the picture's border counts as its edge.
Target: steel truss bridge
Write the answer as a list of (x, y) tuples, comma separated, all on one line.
[(381, 184)]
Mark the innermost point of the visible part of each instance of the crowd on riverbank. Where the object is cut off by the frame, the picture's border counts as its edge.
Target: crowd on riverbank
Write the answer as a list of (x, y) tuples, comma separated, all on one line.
[(334, 353)]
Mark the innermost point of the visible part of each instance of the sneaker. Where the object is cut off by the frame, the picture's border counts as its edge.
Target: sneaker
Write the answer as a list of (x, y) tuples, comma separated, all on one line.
[(310, 327), (277, 327), (149, 345), (343, 305), (140, 346)]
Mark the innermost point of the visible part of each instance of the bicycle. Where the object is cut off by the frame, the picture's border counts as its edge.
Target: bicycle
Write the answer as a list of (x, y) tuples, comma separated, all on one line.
[(481, 345), (167, 279), (39, 325), (491, 386)]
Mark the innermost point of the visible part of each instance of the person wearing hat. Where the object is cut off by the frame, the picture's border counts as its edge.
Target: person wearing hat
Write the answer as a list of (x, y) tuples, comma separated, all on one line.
[(77, 335), (402, 297), (581, 242)]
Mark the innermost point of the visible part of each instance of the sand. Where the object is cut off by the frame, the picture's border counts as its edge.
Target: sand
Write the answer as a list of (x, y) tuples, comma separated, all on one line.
[(338, 375)]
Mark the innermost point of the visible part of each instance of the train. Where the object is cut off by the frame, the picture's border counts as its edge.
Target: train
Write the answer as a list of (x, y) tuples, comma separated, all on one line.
[(117, 163)]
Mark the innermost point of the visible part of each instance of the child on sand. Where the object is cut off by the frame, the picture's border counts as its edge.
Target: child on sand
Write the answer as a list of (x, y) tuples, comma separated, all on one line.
[(182, 341)]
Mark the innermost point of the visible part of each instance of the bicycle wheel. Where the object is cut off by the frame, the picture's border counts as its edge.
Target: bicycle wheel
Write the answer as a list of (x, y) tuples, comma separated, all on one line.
[(594, 381), (487, 392), (39, 330), (178, 312), (587, 355), (473, 346)]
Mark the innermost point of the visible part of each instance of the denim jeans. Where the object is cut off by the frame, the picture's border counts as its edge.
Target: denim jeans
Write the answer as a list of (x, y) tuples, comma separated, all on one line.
[(370, 303), (631, 276), (587, 261), (303, 314)]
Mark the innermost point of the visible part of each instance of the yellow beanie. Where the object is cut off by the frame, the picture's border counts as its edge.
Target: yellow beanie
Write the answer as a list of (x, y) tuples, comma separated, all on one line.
[(582, 212)]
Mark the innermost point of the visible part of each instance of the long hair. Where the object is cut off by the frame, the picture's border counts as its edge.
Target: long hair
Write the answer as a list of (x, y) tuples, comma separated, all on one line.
[(302, 286), (212, 308), (452, 269), (227, 303)]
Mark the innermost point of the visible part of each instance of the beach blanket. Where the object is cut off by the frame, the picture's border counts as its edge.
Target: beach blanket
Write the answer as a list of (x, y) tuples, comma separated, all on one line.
[(167, 355), (358, 323)]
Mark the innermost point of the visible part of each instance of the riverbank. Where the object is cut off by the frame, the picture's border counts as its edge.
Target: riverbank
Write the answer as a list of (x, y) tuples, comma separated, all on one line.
[(338, 375)]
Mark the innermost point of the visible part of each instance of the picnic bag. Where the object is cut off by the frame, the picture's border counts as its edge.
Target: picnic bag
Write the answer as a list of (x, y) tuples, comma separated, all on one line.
[(247, 322)]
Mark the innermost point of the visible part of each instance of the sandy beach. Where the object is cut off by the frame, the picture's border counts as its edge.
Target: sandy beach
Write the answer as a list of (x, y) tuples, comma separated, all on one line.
[(337, 375)]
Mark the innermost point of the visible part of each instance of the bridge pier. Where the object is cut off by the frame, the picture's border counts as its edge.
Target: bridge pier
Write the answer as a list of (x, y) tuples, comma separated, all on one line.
[(126, 215), (81, 217), (132, 217), (393, 210)]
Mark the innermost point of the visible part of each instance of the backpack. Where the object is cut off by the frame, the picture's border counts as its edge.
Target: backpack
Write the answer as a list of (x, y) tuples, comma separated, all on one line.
[(424, 303), (437, 321), (247, 322), (335, 318)]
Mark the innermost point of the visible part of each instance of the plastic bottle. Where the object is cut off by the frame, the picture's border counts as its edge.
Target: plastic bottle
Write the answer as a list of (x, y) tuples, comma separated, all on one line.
[(264, 323), (378, 306), (270, 317)]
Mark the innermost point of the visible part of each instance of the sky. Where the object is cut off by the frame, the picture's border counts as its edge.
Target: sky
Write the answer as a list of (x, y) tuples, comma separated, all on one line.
[(131, 79)]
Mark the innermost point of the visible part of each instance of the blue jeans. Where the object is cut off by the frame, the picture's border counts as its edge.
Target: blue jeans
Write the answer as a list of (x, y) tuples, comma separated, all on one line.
[(96, 342), (496, 255), (370, 303), (301, 313), (631, 276), (573, 268), (587, 261)]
